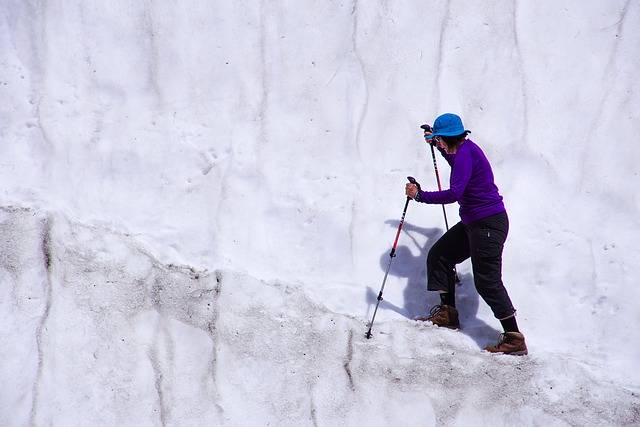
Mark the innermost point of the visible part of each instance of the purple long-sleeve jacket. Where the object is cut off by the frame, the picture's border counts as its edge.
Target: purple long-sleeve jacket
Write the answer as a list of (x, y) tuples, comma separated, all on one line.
[(471, 185)]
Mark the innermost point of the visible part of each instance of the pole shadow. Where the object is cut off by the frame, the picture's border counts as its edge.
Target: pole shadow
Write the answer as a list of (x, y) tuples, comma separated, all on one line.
[(417, 300)]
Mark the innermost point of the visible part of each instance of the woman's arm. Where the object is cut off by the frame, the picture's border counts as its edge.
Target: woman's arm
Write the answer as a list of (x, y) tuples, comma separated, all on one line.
[(460, 175)]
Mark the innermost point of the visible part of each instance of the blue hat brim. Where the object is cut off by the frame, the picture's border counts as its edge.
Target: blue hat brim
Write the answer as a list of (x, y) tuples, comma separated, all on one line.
[(447, 133)]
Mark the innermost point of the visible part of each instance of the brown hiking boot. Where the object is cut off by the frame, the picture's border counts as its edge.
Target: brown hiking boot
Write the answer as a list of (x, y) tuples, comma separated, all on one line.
[(510, 343), (444, 316)]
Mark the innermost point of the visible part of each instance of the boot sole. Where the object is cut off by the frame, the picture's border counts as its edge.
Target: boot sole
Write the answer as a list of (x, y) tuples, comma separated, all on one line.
[(455, 328), (512, 353)]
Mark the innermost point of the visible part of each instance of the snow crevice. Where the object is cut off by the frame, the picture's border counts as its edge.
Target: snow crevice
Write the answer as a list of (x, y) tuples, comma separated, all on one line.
[(521, 72), (440, 59), (41, 329), (360, 61), (152, 49), (348, 359), (213, 334), (163, 409)]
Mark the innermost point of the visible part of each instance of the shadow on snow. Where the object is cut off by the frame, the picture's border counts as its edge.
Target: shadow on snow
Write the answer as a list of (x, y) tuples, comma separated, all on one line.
[(417, 300)]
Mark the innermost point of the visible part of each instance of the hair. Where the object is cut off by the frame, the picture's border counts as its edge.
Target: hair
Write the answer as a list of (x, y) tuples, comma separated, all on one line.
[(454, 141)]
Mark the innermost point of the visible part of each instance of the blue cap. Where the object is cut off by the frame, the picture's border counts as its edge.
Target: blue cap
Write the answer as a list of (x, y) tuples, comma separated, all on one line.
[(448, 125)]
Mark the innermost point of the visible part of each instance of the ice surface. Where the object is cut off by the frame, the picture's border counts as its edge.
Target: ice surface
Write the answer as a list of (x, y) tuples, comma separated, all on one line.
[(199, 201)]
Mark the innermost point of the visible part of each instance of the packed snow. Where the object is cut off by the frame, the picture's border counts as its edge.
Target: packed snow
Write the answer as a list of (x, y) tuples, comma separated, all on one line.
[(199, 200)]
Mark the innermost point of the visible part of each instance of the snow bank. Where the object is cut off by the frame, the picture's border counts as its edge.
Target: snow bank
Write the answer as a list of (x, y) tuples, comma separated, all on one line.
[(101, 331)]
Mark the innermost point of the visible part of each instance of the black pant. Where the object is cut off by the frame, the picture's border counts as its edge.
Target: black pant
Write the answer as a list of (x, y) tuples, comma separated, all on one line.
[(483, 241)]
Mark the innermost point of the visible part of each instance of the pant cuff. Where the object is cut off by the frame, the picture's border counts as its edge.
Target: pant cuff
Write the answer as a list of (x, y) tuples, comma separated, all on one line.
[(513, 314)]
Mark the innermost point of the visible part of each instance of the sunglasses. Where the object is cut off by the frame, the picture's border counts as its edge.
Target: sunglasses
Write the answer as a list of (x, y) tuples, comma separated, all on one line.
[(436, 139)]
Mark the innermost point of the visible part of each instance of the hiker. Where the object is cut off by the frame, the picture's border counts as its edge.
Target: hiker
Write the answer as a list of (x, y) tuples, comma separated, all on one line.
[(480, 234)]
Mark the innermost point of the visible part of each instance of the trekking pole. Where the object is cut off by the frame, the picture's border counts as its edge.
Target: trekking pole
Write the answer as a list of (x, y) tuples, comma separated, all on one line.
[(435, 167), (392, 255)]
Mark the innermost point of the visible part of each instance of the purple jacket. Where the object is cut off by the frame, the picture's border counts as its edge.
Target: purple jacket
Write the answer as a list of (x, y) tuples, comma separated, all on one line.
[(471, 185)]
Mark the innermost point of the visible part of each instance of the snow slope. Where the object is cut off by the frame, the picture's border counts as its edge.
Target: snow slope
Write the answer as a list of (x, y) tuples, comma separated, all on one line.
[(199, 200), (115, 337)]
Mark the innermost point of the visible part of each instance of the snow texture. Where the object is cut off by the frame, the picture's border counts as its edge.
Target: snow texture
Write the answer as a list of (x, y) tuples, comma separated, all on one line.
[(199, 199)]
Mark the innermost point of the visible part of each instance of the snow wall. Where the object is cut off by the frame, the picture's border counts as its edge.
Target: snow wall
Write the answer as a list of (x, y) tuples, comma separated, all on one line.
[(199, 199)]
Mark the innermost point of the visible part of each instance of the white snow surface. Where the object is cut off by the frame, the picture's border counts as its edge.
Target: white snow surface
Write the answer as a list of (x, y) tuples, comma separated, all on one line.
[(199, 199)]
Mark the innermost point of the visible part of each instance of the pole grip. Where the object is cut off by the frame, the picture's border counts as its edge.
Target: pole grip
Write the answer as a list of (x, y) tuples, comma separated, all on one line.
[(413, 181)]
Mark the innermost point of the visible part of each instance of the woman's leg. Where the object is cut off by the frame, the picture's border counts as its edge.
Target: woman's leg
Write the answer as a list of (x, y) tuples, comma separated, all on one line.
[(451, 249), (486, 239)]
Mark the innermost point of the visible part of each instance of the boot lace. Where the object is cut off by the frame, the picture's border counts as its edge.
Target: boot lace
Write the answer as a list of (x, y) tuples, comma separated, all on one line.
[(435, 310), (503, 338)]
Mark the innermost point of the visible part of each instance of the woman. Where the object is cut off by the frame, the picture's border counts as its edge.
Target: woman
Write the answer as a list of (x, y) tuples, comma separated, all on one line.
[(480, 234)]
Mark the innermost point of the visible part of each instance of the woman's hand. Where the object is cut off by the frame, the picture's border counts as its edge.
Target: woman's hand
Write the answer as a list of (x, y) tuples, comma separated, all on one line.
[(411, 190), (427, 137)]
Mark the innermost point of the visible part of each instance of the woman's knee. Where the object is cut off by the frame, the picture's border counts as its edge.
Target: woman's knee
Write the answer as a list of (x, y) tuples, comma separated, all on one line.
[(434, 255)]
